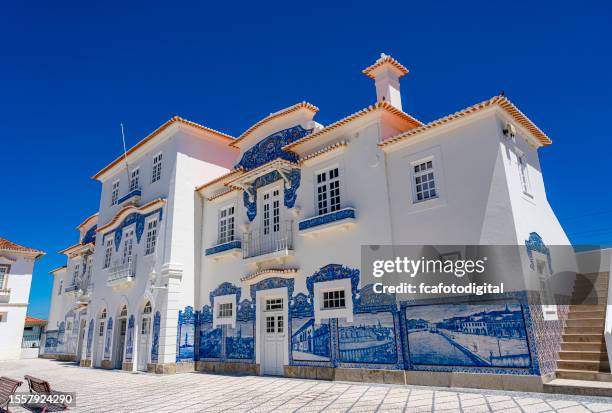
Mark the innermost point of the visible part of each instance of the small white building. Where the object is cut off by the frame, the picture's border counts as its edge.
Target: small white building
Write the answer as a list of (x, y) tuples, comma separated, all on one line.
[(16, 267)]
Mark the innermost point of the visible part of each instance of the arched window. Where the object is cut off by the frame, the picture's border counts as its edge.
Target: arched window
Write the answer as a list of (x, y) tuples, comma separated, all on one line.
[(123, 311), (147, 308), (103, 314)]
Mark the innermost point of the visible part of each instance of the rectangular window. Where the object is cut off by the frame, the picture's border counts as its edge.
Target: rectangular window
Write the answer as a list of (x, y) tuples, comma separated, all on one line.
[(108, 252), (3, 317), (225, 310), (134, 179), (424, 181), (61, 287), (328, 191), (151, 236), (524, 174), (115, 193), (157, 165), (101, 330), (266, 214), (145, 326), (279, 324), (226, 224), (3, 276), (274, 304), (76, 276), (333, 299)]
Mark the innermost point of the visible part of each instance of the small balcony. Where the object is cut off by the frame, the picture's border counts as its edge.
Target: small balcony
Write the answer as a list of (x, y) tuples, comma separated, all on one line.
[(122, 273), (224, 248), (72, 289), (84, 294), (131, 198), (342, 219), (260, 246), (5, 293)]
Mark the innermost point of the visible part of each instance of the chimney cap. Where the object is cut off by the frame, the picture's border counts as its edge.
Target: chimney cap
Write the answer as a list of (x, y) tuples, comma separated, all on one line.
[(382, 61)]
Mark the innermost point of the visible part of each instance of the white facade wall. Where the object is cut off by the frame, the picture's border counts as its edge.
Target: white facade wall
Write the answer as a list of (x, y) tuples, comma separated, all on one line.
[(14, 305)]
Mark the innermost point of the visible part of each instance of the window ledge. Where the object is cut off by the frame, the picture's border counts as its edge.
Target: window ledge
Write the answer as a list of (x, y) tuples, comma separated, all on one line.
[(132, 196), (341, 219), (233, 248), (5, 291)]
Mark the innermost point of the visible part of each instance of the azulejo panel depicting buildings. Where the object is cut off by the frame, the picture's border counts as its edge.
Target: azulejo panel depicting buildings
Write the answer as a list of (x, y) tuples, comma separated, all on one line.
[(242, 254)]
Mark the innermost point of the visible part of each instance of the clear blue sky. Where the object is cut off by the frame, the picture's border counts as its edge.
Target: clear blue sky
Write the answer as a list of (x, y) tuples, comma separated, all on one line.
[(70, 72)]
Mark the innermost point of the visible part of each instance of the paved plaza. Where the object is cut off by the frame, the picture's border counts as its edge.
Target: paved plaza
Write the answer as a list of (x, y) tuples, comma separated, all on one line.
[(117, 391)]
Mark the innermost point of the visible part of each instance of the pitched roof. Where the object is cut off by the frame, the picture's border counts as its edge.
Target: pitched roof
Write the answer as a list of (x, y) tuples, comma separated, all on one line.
[(29, 321), (275, 115), (173, 120), (381, 105), (6, 245), (500, 100), (87, 220), (384, 59)]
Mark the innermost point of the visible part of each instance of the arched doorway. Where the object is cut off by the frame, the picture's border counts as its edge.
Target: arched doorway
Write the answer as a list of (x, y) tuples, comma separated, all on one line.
[(120, 332), (99, 342), (144, 337)]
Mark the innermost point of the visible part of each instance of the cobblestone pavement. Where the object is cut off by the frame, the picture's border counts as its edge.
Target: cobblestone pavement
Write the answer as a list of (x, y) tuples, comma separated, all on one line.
[(117, 391)]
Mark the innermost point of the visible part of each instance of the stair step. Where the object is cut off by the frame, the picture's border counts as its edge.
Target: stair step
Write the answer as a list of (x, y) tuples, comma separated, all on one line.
[(583, 355), (585, 322), (581, 315), (583, 375), (581, 365), (588, 300), (583, 330), (586, 307), (583, 346), (579, 387), (581, 338)]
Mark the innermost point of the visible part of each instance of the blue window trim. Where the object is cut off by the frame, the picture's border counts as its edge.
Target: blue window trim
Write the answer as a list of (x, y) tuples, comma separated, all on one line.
[(223, 247), (339, 215)]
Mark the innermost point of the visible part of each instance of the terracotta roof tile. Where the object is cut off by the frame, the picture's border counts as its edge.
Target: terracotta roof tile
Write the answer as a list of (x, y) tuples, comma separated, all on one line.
[(34, 321), (381, 61), (6, 245)]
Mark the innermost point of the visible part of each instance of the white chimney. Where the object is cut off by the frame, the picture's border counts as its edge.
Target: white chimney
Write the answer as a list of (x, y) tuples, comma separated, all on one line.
[(386, 72)]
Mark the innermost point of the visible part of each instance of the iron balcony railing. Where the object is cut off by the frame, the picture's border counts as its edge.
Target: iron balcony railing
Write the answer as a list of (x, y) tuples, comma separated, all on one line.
[(4, 291), (276, 239), (72, 287), (30, 341), (123, 270)]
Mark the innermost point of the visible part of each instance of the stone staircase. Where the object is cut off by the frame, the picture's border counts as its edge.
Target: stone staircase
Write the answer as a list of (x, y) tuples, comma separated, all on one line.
[(582, 363)]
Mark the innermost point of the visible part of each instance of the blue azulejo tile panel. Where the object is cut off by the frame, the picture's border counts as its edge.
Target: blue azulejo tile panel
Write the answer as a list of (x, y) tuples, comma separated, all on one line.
[(211, 340), (240, 341), (310, 341), (327, 218), (489, 334), (223, 247), (370, 338), (186, 335)]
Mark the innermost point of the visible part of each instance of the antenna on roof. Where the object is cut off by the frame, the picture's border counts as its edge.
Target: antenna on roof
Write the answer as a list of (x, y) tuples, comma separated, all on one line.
[(125, 151)]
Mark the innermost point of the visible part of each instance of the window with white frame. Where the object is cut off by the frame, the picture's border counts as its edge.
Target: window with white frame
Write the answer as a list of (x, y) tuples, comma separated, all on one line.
[(108, 252), (274, 304), (77, 273), (4, 269), (224, 310), (134, 179), (147, 308), (157, 165), (151, 236), (334, 299), (115, 192), (226, 224), (424, 181), (524, 174), (328, 191)]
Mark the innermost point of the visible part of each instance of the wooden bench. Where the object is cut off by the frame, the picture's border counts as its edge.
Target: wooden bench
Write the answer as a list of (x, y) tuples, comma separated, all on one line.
[(40, 386), (7, 388)]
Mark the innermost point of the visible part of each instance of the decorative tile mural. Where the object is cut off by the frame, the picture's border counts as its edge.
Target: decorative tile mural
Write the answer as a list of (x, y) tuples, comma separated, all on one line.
[(490, 334), (186, 335), (109, 336), (129, 347), (370, 338), (90, 331), (240, 341), (211, 339), (51, 342), (155, 340), (310, 341)]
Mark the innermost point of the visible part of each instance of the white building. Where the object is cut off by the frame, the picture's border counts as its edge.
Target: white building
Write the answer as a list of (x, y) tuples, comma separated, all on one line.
[(16, 267), (269, 244)]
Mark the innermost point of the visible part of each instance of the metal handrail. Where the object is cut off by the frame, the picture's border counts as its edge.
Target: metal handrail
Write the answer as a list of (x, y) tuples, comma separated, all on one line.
[(256, 243), (122, 270)]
